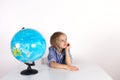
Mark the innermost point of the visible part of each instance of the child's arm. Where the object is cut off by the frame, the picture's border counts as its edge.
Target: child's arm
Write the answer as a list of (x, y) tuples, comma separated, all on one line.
[(63, 66), (67, 57)]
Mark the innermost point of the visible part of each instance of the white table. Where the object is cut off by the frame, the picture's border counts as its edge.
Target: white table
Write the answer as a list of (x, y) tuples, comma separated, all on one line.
[(86, 72)]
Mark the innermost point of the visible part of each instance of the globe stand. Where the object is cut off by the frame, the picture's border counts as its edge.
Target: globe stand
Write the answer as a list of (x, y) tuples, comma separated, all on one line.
[(29, 70)]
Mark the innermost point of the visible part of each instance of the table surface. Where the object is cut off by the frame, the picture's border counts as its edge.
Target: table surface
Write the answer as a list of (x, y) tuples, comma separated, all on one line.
[(86, 72)]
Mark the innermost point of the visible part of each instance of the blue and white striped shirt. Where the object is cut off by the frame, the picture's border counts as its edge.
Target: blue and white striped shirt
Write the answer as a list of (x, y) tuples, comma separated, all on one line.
[(55, 56)]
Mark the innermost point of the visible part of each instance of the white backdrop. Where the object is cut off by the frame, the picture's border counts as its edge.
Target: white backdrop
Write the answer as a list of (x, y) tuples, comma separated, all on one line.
[(92, 27)]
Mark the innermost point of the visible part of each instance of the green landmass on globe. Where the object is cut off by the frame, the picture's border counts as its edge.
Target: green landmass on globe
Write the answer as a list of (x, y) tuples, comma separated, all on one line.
[(16, 52)]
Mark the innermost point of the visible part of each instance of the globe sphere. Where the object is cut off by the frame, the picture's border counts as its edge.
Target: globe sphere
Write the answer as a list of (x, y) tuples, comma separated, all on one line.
[(28, 45)]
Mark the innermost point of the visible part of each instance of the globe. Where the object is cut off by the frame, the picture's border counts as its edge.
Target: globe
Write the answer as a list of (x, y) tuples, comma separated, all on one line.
[(28, 45)]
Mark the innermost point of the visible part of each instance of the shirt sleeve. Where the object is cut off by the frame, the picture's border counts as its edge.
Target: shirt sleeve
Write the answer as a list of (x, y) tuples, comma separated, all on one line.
[(51, 56)]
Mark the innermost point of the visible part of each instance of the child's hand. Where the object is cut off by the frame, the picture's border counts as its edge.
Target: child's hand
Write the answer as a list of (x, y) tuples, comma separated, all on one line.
[(68, 46), (72, 68)]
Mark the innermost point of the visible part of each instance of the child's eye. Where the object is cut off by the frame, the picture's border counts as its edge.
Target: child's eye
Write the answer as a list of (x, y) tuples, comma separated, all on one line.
[(63, 41)]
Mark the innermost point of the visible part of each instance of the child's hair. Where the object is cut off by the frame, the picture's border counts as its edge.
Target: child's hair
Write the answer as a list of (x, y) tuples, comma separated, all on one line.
[(54, 38)]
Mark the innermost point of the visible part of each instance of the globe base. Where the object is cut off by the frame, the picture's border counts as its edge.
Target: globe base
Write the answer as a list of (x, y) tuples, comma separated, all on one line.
[(29, 70)]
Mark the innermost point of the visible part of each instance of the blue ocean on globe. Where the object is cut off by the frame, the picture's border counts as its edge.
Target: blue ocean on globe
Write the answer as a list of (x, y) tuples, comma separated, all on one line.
[(28, 45)]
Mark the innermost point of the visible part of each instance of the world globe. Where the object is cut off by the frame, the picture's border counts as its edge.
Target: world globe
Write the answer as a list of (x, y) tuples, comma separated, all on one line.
[(28, 45)]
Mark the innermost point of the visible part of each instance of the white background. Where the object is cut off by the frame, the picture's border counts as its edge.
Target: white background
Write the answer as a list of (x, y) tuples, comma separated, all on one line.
[(92, 27)]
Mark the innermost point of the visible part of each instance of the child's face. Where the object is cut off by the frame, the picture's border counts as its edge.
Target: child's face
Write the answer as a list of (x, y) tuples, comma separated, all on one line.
[(62, 41)]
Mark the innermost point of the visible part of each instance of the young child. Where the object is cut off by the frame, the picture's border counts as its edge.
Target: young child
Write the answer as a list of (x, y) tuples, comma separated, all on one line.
[(59, 52)]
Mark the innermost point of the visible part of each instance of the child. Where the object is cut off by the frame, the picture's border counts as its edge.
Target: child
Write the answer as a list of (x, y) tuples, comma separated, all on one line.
[(59, 54)]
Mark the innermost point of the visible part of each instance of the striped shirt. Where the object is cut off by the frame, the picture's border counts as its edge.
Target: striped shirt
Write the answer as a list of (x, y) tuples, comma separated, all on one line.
[(55, 56)]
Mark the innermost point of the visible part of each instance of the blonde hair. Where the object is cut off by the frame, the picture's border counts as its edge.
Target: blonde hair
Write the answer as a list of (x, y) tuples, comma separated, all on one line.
[(54, 37)]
